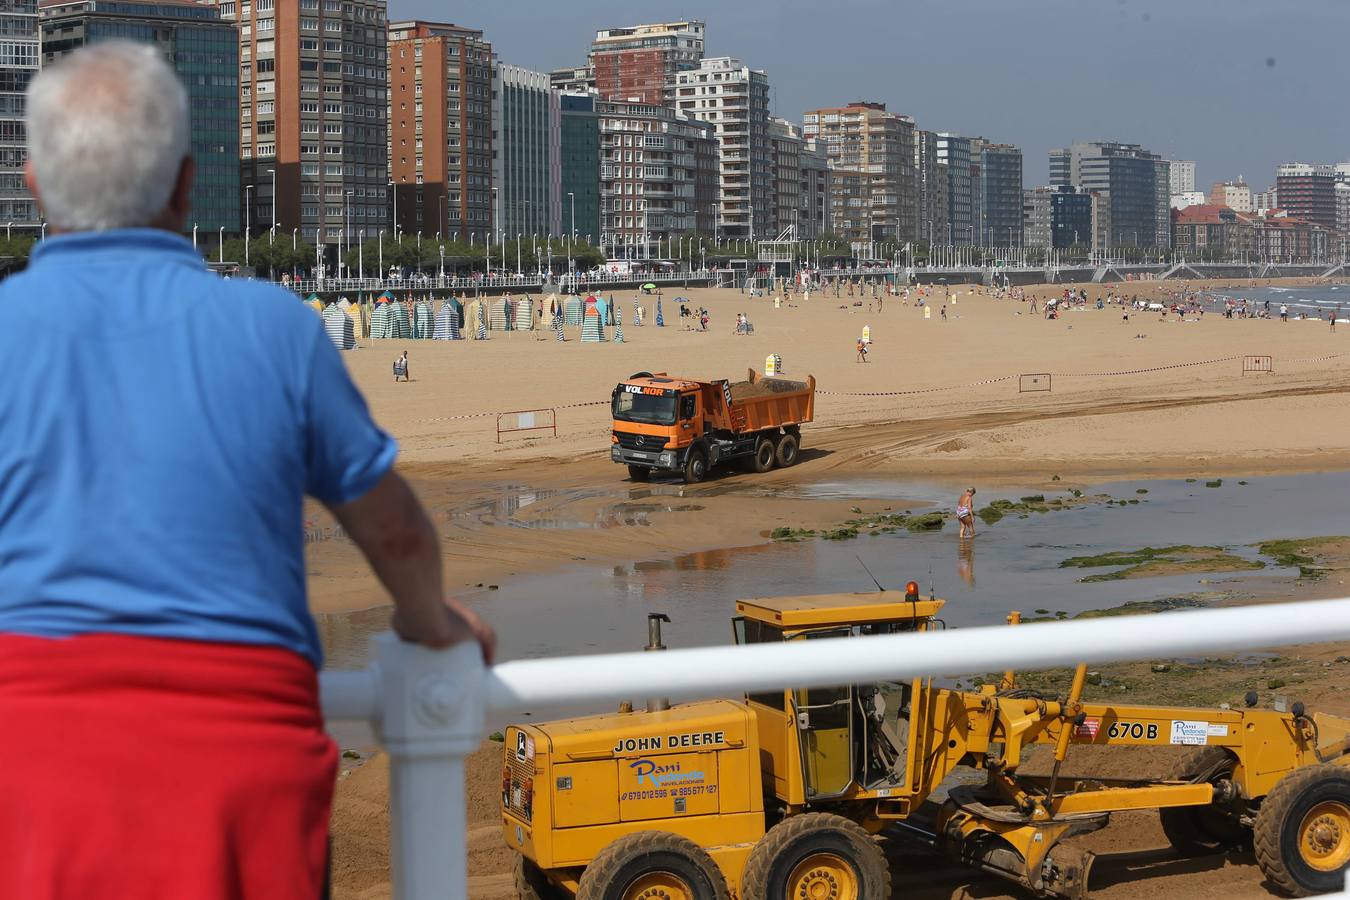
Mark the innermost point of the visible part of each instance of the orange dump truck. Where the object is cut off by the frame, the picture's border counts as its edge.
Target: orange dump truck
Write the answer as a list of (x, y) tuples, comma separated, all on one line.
[(687, 426)]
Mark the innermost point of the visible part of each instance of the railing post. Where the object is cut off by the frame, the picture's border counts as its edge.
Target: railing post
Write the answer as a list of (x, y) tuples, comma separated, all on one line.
[(432, 719)]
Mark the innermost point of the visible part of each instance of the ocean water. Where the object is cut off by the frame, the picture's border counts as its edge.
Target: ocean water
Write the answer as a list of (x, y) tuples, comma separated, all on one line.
[(1318, 300)]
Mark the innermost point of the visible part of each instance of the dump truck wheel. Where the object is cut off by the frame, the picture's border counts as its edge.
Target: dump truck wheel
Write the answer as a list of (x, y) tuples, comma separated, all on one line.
[(652, 864), (786, 453), (816, 855), (695, 467), (1197, 830), (764, 455), (533, 884), (639, 473), (1302, 833)]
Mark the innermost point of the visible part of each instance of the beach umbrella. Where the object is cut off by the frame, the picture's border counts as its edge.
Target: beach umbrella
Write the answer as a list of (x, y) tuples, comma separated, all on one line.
[(618, 326), (637, 312), (649, 286), (660, 319), (482, 324), (558, 327)]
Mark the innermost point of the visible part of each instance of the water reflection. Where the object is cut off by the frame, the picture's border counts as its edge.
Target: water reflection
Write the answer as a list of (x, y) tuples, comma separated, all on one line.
[(965, 561)]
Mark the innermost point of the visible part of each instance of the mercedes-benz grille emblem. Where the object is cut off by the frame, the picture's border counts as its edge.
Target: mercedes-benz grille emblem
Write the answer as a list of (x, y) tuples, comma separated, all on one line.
[(640, 441)]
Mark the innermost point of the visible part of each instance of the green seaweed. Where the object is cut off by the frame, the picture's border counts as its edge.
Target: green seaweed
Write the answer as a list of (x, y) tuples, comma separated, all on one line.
[(1293, 554)]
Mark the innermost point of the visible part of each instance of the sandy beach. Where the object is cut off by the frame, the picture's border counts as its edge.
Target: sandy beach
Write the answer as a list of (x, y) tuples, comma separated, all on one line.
[(939, 400)]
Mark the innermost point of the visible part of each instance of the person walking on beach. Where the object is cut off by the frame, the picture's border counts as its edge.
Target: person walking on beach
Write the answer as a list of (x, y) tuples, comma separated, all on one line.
[(1284, 312), (1336, 314), (401, 367), (158, 660), (965, 506), (862, 350)]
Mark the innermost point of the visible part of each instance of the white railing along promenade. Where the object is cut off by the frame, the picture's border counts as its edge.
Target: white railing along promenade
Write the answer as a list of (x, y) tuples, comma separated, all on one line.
[(428, 707)]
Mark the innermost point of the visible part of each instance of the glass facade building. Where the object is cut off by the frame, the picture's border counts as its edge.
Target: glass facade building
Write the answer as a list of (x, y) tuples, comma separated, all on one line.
[(18, 65), (526, 167), (204, 51), (580, 155)]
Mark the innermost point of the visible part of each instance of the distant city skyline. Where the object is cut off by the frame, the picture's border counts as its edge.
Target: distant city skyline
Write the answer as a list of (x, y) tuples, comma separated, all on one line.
[(1239, 86)]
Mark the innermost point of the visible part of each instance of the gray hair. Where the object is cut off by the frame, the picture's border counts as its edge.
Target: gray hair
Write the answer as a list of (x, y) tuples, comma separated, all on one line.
[(107, 134)]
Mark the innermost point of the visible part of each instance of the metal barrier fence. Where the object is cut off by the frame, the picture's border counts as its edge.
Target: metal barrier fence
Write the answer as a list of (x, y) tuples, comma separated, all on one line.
[(428, 707), (544, 419), (1258, 365)]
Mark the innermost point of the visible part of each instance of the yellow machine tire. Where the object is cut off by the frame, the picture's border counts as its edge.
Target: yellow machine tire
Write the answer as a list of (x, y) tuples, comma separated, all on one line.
[(816, 856), (533, 884), (678, 868), (1198, 830), (1302, 834)]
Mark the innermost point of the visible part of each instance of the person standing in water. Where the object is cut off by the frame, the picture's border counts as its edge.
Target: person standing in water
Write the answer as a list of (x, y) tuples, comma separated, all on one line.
[(965, 512)]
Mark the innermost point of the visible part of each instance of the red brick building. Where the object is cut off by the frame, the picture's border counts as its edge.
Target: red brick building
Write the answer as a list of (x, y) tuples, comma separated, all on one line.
[(640, 61)]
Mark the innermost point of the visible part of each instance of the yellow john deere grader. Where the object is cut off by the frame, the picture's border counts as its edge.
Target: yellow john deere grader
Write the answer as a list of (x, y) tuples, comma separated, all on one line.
[(778, 795)]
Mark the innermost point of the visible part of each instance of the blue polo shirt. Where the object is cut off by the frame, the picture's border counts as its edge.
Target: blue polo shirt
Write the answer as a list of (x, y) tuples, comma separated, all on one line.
[(159, 428)]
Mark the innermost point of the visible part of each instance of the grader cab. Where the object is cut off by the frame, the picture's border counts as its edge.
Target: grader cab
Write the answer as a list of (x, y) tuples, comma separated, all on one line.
[(780, 794)]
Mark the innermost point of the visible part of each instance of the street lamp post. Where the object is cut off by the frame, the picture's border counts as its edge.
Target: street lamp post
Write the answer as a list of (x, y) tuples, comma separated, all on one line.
[(222, 244), (272, 236), (248, 218), (295, 238), (194, 235), (380, 274), (393, 190), (519, 270), (361, 255), (346, 226)]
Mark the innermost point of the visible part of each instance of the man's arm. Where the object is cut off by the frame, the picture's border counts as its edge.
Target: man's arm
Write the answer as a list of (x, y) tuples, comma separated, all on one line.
[(393, 531)]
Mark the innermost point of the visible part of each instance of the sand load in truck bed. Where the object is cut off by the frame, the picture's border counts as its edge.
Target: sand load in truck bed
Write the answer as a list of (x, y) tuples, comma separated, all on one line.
[(765, 387)]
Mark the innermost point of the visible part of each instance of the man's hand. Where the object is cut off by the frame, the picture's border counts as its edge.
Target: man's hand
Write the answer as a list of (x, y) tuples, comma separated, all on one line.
[(398, 539), (445, 626)]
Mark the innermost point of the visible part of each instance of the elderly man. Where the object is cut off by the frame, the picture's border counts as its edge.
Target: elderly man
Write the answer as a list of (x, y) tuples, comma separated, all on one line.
[(159, 429)]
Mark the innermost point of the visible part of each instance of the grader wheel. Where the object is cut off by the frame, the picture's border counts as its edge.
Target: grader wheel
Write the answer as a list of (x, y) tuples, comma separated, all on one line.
[(1198, 830), (1302, 833), (816, 856), (532, 884), (652, 865)]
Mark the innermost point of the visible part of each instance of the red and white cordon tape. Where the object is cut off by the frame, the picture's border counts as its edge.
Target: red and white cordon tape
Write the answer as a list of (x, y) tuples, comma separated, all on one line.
[(950, 387)]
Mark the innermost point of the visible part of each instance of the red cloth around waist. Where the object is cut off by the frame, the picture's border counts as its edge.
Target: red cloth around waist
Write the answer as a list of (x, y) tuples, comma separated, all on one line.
[(152, 768)]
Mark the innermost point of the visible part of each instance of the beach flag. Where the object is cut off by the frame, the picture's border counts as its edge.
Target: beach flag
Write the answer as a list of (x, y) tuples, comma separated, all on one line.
[(590, 328), (660, 319), (558, 327)]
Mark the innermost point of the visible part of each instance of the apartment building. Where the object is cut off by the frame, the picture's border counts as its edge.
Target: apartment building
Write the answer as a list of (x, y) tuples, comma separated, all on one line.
[(814, 198), (526, 164), (1308, 192), (785, 141), (19, 21), (864, 138), (440, 129), (641, 61)]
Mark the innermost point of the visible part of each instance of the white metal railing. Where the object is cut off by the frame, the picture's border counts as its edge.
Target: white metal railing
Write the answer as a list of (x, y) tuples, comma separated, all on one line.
[(428, 707)]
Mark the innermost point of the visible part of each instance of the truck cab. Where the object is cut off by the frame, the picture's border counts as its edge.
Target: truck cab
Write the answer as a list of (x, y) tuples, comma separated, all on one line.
[(841, 743), (690, 426)]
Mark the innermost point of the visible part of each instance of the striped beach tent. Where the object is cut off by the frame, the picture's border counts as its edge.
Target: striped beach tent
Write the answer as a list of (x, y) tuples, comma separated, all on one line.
[(422, 320), (602, 307), (314, 303), (379, 321), (447, 324), (400, 322), (339, 327), (482, 323), (660, 319), (522, 318), (574, 309), (591, 332), (499, 318), (469, 321), (558, 329), (637, 312)]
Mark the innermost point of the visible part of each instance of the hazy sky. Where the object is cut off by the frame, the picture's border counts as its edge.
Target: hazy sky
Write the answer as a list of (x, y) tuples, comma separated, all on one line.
[(1237, 85)]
